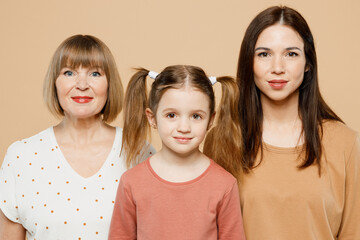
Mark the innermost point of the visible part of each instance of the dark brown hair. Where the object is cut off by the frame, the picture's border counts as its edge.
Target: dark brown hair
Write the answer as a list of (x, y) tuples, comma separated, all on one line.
[(312, 108), (136, 127), (85, 51)]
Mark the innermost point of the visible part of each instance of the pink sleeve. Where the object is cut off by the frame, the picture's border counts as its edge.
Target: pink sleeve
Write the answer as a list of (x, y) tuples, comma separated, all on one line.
[(123, 222), (230, 224), (350, 224)]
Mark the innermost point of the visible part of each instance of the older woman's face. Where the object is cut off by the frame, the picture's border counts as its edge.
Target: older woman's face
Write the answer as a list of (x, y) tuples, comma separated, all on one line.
[(82, 92), (279, 63)]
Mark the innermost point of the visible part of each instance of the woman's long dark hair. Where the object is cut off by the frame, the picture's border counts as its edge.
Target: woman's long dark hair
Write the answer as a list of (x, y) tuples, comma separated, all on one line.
[(312, 108)]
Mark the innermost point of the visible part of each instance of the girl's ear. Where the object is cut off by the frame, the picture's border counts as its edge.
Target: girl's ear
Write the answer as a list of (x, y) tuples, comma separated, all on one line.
[(211, 121), (151, 118)]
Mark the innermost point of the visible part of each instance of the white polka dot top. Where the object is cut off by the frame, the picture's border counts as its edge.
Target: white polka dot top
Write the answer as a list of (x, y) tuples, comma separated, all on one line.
[(40, 190)]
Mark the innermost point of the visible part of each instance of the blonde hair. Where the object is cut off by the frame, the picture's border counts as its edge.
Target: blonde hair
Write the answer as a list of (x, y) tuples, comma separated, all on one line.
[(137, 128), (85, 51)]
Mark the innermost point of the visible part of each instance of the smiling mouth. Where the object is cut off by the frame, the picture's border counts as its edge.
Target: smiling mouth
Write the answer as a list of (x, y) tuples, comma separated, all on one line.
[(183, 139), (82, 99), (277, 84)]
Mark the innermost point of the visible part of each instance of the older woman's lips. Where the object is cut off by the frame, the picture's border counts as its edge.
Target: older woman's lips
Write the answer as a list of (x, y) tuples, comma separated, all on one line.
[(277, 84), (82, 99)]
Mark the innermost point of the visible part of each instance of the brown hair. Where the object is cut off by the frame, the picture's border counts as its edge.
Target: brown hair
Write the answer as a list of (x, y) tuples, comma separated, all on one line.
[(85, 51), (136, 127), (312, 108)]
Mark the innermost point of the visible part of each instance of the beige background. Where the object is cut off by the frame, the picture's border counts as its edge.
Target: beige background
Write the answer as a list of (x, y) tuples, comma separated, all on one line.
[(158, 33)]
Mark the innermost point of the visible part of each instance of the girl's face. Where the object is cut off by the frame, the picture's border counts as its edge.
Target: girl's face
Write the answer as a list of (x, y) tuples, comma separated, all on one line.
[(82, 92), (182, 119), (279, 63)]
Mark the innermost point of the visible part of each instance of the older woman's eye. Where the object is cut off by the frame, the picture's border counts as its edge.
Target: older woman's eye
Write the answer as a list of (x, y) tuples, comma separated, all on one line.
[(68, 73), (95, 74)]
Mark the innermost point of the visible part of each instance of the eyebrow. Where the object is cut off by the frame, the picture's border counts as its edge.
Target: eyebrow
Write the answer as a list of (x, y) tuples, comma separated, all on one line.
[(268, 49), (175, 110)]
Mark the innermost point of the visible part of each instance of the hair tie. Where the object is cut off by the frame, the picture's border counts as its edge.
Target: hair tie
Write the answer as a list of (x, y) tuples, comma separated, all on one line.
[(212, 80), (152, 74)]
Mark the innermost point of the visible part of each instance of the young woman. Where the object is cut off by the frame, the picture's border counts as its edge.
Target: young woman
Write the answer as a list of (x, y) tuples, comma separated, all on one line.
[(301, 165), (61, 183), (179, 193)]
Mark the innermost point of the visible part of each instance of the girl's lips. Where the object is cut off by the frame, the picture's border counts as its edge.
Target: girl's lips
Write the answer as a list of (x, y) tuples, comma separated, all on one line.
[(82, 99), (277, 84), (182, 139)]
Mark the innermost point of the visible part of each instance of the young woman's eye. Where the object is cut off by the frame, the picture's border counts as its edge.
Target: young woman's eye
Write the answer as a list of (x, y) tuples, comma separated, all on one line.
[(95, 74), (263, 54), (196, 116), (292, 54), (171, 115), (68, 73)]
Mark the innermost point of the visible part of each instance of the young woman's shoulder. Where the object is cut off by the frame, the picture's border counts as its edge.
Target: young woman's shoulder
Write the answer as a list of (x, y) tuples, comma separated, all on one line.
[(339, 140), (339, 131)]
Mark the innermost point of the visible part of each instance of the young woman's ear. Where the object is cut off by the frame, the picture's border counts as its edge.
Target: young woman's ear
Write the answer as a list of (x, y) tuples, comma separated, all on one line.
[(151, 118), (211, 121)]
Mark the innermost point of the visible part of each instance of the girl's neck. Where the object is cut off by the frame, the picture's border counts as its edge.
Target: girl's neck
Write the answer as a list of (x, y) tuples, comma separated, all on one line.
[(175, 167), (282, 124)]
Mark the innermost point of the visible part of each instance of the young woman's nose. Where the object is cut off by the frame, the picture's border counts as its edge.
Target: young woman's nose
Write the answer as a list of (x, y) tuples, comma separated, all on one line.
[(278, 65)]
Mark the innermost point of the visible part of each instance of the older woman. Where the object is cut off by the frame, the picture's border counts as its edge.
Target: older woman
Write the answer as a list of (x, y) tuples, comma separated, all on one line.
[(61, 183)]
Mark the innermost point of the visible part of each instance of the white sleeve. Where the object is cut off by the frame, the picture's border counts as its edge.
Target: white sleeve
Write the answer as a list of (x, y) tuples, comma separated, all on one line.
[(8, 202)]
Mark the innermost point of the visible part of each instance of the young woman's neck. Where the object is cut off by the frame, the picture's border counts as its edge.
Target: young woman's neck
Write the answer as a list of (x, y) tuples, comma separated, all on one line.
[(282, 125)]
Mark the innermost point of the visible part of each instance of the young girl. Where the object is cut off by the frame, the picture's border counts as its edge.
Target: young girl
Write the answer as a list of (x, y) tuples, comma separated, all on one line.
[(179, 193)]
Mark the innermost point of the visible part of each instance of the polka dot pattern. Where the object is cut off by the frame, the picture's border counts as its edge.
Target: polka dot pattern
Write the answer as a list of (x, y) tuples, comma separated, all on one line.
[(50, 198)]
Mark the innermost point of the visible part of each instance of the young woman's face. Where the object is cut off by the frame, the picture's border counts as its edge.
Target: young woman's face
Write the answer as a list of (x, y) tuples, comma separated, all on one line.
[(279, 63), (82, 92), (182, 119)]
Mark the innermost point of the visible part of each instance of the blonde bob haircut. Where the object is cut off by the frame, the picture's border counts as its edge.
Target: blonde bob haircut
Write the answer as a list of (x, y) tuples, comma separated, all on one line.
[(88, 52)]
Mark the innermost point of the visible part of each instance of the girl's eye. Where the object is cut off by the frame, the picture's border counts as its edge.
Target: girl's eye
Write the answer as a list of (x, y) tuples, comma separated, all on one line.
[(196, 116), (68, 73), (95, 74), (292, 54), (263, 54), (171, 115)]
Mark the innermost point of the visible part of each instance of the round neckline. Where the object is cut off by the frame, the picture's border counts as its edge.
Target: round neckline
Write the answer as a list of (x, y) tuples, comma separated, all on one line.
[(67, 164), (147, 162), (277, 149)]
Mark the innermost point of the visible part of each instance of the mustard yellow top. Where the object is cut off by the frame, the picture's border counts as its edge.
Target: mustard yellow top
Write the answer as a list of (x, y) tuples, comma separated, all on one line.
[(281, 202)]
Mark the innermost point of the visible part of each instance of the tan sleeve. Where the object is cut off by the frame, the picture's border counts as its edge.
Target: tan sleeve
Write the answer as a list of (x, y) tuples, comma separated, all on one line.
[(230, 224), (123, 222), (350, 224)]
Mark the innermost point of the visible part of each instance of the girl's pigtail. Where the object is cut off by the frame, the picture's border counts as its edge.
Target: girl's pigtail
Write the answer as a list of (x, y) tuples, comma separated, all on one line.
[(136, 128), (223, 143)]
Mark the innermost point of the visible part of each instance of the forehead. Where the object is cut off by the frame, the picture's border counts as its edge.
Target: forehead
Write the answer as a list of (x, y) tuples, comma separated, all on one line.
[(75, 57), (184, 99), (279, 35)]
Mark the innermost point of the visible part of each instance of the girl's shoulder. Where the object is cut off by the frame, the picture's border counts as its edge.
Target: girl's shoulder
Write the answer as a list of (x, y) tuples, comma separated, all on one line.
[(219, 174)]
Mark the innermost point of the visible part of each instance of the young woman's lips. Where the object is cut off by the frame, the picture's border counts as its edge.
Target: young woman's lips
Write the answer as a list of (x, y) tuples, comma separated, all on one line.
[(82, 99), (183, 139), (277, 84)]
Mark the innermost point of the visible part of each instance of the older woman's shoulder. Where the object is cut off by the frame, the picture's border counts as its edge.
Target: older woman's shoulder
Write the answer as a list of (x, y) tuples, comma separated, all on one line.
[(33, 143)]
